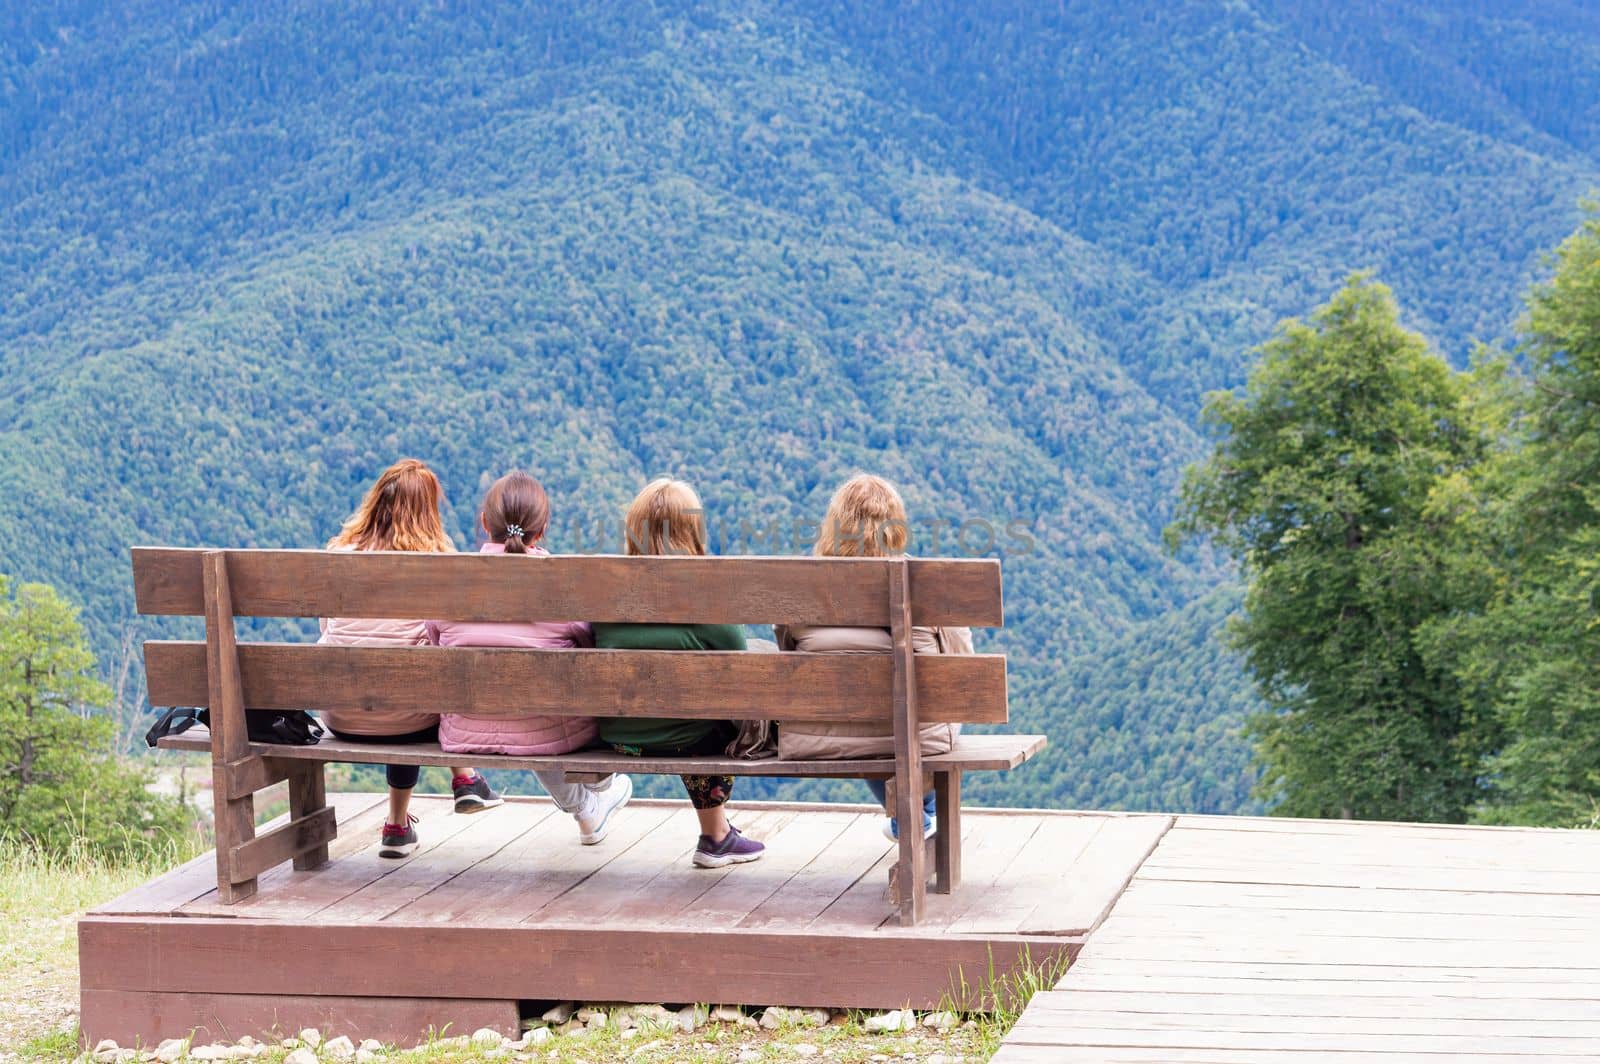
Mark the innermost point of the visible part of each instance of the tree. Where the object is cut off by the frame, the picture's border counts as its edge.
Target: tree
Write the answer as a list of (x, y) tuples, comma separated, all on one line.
[(59, 778), (1319, 486), (1535, 654)]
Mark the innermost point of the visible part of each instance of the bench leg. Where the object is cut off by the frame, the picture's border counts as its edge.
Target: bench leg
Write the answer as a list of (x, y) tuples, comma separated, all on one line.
[(308, 792), (235, 826), (947, 843)]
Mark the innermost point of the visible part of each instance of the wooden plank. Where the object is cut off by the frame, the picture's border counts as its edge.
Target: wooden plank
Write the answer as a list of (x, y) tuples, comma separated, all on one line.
[(485, 834), (1351, 948), (234, 818), (1313, 1042), (1396, 828), (1494, 933), (906, 712), (297, 895), (1507, 881), (1039, 1025), (532, 962), (664, 896), (501, 682), (543, 864), (996, 844), (789, 850), (196, 879), (1173, 896), (1352, 985), (825, 878), (656, 589), (971, 753), (669, 843), (166, 894), (1268, 1003), (250, 859), (1468, 855), (1100, 964), (1112, 859), (1050, 864), (1060, 1054), (142, 1018)]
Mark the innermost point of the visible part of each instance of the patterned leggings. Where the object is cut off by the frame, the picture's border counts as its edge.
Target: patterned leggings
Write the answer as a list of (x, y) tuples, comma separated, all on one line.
[(708, 792), (705, 792)]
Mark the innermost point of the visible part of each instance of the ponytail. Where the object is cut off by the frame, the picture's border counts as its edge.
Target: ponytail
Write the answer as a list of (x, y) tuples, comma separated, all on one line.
[(516, 511)]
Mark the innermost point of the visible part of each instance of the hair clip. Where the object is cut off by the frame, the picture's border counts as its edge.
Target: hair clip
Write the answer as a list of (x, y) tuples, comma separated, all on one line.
[(514, 530)]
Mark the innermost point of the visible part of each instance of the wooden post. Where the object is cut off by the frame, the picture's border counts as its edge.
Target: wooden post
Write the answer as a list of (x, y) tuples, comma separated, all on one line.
[(912, 875), (947, 844), (308, 793), (235, 816)]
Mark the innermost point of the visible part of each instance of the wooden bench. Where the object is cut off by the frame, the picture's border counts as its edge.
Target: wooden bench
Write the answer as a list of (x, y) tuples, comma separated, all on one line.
[(897, 689)]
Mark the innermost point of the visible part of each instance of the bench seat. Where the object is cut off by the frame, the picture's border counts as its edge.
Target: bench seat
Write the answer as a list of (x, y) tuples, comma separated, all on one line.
[(971, 753)]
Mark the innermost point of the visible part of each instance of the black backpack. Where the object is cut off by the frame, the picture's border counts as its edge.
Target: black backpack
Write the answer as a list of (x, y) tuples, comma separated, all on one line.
[(294, 727)]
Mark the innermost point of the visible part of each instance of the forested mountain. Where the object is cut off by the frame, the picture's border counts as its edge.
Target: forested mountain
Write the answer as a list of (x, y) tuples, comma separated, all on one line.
[(251, 254)]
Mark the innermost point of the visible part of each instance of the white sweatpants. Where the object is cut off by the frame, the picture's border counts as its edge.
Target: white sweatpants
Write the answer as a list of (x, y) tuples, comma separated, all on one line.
[(579, 799)]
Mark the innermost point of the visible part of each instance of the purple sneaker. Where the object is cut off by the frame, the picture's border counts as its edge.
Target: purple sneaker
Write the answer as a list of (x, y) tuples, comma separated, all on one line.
[(733, 849)]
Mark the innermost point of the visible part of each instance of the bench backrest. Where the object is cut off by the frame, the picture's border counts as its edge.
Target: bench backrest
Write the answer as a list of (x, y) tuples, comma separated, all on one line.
[(888, 593)]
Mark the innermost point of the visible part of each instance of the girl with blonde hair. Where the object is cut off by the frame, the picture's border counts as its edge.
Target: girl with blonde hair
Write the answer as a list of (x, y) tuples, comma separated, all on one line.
[(866, 519), (667, 518), (399, 512)]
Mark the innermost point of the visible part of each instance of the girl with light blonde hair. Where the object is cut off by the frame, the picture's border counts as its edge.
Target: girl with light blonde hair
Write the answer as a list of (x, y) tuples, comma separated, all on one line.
[(866, 518)]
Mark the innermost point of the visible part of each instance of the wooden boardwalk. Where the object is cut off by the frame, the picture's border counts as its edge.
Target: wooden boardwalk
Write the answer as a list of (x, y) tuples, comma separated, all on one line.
[(1250, 941), (505, 907)]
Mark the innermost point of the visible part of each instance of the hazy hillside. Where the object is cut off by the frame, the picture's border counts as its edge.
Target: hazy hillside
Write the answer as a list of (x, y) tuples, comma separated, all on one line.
[(248, 256)]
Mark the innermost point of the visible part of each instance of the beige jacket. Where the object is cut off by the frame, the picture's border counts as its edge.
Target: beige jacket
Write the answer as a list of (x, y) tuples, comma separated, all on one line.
[(816, 740), (360, 632)]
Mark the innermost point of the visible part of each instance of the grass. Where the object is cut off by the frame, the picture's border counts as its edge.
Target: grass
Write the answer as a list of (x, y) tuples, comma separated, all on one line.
[(41, 894), (1003, 997)]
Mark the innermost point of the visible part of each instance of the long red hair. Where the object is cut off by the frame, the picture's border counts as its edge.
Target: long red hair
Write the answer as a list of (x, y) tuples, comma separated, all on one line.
[(400, 512)]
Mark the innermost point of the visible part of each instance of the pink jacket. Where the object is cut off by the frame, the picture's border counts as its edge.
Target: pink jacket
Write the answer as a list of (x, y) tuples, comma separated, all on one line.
[(518, 736)]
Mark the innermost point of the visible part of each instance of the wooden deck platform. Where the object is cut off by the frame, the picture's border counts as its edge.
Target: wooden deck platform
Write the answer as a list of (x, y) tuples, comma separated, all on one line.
[(505, 907), (1253, 941)]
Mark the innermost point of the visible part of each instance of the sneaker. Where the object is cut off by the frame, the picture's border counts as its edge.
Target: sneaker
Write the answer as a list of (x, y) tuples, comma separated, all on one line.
[(733, 849), (592, 828), (891, 829), (398, 840), (474, 795)]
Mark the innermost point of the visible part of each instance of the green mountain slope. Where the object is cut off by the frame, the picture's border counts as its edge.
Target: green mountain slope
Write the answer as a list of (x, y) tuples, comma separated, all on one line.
[(251, 255)]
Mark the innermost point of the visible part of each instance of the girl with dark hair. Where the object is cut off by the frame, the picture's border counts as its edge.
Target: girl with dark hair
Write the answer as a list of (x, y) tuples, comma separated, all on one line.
[(515, 514)]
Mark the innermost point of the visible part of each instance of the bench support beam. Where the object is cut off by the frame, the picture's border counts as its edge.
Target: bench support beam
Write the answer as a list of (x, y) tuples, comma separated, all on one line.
[(230, 739), (301, 836), (947, 844), (912, 874), (308, 797)]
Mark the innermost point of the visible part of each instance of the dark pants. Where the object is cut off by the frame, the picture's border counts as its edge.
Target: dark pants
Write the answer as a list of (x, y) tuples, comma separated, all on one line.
[(705, 792), (399, 777)]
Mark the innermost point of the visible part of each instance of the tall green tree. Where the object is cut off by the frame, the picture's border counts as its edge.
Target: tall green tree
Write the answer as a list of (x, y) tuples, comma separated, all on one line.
[(1320, 485), (1535, 654), (60, 781)]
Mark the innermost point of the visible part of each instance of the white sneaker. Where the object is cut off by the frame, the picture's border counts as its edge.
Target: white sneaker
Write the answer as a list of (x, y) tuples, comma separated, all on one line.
[(592, 828)]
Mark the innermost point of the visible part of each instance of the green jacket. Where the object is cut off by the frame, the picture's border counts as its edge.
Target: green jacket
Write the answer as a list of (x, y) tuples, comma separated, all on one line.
[(662, 734)]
